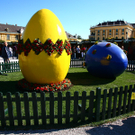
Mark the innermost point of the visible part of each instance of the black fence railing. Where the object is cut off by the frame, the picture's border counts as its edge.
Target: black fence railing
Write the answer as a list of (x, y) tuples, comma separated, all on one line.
[(14, 66), (26, 110)]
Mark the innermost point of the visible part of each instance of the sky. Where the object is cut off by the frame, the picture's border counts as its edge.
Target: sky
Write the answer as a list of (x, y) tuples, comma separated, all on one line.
[(76, 16)]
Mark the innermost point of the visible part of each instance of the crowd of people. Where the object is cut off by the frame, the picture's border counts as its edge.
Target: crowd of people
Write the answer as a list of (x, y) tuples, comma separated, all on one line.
[(8, 52), (78, 53)]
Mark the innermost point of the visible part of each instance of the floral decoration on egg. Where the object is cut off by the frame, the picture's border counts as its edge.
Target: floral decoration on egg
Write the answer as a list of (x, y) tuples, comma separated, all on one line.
[(48, 47)]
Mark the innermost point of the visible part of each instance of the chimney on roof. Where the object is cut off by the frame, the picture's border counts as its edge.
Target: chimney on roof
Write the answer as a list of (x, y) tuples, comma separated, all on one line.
[(15, 24), (120, 22), (6, 23)]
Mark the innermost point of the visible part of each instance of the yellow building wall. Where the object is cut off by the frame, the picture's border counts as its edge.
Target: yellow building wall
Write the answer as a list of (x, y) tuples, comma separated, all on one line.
[(134, 33), (112, 32), (12, 38)]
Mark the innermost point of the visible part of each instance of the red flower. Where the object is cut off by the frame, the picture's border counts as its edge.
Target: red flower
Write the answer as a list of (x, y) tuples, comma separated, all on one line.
[(37, 49), (49, 41), (45, 88), (51, 89), (58, 42), (42, 89), (45, 47), (64, 81), (37, 88), (52, 84), (58, 88), (65, 86), (49, 53), (52, 51), (35, 41)]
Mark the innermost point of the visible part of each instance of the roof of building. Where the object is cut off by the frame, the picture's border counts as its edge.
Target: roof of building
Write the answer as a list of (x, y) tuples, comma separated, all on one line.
[(114, 23), (133, 24), (70, 36), (10, 28)]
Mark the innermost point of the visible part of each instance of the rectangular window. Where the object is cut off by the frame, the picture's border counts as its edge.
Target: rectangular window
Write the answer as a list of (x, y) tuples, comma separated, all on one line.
[(116, 30), (116, 33), (103, 30), (122, 30), (109, 30), (103, 33), (110, 33), (122, 33), (16, 37), (98, 31), (8, 37), (98, 34)]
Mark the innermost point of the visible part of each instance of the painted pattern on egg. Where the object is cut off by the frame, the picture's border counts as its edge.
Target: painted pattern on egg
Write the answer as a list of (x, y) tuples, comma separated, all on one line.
[(105, 59)]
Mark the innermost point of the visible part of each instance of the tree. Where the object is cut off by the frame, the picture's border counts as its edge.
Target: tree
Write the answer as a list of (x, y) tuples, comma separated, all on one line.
[(79, 37), (1, 41)]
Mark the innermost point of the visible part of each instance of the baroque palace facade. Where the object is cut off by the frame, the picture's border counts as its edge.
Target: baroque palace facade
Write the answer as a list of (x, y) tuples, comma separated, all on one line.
[(112, 30)]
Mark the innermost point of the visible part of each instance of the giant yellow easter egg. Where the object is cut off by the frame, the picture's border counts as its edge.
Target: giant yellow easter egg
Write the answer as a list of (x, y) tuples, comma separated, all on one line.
[(43, 54)]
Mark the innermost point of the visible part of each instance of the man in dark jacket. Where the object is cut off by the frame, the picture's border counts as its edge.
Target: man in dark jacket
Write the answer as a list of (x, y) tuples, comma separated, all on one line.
[(5, 53)]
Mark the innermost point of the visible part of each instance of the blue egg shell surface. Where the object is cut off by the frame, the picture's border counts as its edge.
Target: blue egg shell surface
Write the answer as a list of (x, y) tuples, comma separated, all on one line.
[(106, 60)]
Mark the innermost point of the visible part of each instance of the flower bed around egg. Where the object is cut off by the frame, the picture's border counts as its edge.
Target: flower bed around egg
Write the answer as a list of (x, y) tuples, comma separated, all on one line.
[(23, 84), (37, 46)]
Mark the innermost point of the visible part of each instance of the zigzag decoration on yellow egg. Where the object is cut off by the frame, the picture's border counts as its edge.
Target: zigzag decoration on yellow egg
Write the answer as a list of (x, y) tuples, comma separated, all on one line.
[(48, 46)]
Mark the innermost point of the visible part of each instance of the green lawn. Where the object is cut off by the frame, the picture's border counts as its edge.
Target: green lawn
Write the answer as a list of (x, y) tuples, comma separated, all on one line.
[(81, 80)]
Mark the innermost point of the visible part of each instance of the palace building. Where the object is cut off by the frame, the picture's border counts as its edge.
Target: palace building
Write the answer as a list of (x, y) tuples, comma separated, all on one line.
[(112, 30), (10, 33)]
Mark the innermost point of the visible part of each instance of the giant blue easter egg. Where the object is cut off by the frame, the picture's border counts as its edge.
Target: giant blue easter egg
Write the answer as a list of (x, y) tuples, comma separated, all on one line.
[(106, 59)]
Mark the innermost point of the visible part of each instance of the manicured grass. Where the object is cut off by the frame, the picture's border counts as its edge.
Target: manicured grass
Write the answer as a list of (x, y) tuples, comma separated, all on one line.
[(81, 80)]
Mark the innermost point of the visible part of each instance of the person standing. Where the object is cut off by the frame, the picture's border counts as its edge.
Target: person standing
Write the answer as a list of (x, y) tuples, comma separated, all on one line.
[(78, 52), (15, 51), (5, 52), (11, 51), (74, 52), (83, 51)]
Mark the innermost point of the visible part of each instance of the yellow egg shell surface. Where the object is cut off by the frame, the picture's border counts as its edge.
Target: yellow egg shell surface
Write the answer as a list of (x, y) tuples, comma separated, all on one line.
[(44, 24), (43, 68)]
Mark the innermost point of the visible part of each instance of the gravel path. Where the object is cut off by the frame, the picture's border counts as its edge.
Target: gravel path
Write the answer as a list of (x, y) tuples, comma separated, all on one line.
[(119, 127)]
